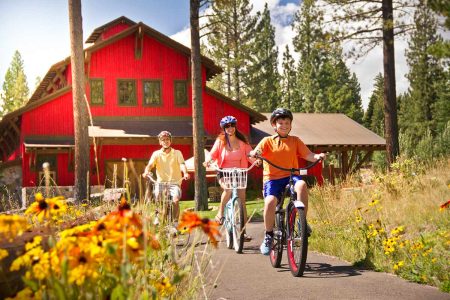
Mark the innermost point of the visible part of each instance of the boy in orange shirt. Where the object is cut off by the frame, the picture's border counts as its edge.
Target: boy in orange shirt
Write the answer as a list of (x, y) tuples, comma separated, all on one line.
[(283, 150)]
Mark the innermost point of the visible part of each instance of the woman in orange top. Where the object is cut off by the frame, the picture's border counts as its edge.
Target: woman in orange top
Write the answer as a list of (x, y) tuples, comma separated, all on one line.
[(230, 150)]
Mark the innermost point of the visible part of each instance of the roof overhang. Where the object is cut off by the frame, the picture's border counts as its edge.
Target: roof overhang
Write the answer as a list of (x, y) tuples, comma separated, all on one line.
[(325, 132)]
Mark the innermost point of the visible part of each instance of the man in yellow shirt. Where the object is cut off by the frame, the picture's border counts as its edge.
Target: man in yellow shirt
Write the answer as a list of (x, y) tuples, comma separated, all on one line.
[(169, 164), (283, 150)]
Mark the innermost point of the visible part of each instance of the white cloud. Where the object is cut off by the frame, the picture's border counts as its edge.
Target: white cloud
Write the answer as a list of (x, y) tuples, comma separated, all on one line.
[(365, 69)]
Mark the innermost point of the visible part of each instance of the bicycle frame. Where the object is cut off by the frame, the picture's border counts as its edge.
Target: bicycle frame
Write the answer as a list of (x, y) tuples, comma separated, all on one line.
[(287, 221), (166, 200), (234, 179)]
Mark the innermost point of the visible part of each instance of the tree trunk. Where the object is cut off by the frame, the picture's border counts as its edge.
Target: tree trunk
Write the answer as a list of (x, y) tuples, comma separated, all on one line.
[(80, 114), (201, 199), (390, 100)]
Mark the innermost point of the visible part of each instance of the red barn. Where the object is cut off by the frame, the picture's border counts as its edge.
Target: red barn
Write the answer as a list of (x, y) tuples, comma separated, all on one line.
[(137, 84)]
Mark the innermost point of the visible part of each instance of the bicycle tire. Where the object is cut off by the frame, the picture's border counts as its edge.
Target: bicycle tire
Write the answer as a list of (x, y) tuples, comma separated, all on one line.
[(238, 225), (297, 240), (276, 253), (228, 228)]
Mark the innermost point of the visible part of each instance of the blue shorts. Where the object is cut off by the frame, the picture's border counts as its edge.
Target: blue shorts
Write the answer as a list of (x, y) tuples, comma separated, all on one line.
[(276, 187)]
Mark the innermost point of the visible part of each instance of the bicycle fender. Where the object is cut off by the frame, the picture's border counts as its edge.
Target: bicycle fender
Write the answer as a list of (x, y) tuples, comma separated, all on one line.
[(299, 204)]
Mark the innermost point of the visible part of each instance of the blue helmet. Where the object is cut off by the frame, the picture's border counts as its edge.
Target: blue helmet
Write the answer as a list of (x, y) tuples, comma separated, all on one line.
[(227, 120)]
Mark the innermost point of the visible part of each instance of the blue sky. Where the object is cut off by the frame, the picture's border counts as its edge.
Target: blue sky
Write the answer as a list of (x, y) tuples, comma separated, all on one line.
[(39, 29)]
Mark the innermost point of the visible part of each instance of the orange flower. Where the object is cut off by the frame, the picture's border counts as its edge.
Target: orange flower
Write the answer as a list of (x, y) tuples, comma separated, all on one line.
[(190, 220), (444, 205)]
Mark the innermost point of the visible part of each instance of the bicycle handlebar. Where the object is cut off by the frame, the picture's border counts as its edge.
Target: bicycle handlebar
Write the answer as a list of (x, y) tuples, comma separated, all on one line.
[(148, 176), (292, 170), (228, 169)]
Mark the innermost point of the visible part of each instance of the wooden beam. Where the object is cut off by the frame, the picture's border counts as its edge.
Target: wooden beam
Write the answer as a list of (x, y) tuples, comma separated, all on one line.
[(364, 159), (344, 163), (352, 158), (12, 123)]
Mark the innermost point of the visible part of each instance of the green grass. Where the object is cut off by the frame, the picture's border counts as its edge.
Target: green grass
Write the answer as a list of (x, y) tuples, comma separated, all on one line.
[(255, 206)]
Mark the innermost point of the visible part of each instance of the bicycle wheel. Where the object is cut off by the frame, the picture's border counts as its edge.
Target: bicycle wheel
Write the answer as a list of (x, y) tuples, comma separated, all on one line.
[(238, 225), (297, 240), (276, 253), (228, 227)]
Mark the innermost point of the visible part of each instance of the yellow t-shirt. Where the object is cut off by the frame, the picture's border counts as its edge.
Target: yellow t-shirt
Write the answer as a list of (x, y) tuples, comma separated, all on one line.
[(167, 165), (283, 152)]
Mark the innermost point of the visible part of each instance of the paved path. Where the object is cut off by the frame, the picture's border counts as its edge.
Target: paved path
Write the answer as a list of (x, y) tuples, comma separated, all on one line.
[(251, 276)]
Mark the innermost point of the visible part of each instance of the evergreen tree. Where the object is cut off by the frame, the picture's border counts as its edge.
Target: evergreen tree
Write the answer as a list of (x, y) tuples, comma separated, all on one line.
[(310, 42), (289, 93), (426, 75), (262, 77), (324, 82), (342, 88), (370, 23), (374, 116), (15, 87), (231, 30)]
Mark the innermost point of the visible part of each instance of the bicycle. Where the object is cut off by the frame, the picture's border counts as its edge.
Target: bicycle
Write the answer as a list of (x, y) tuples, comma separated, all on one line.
[(294, 236), (234, 179), (163, 199)]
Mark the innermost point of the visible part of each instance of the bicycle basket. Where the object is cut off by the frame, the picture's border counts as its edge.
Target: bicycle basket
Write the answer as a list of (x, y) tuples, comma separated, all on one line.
[(234, 178)]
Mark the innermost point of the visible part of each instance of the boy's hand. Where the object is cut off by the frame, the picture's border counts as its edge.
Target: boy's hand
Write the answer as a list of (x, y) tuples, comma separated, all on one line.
[(321, 156)]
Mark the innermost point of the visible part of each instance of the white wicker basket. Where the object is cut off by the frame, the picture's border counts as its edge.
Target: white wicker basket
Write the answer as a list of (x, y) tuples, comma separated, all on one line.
[(234, 178)]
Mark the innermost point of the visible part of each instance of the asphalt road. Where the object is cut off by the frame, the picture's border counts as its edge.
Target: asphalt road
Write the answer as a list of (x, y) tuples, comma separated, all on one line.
[(251, 276)]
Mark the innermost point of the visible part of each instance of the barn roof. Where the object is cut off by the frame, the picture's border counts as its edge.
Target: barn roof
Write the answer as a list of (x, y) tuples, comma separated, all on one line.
[(99, 30), (54, 78), (324, 130)]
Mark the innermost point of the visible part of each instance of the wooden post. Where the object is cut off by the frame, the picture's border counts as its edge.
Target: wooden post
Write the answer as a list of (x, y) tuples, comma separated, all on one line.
[(331, 173)]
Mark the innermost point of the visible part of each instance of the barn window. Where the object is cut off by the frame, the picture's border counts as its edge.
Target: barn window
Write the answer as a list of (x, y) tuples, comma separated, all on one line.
[(127, 92), (180, 89), (96, 91), (152, 92)]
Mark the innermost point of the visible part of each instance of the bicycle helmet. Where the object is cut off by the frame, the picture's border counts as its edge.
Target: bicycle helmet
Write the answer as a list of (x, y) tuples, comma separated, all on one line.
[(227, 120), (164, 134), (280, 113)]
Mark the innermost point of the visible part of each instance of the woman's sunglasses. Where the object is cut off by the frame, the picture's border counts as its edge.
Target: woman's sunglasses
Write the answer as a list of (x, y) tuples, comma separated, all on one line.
[(229, 125)]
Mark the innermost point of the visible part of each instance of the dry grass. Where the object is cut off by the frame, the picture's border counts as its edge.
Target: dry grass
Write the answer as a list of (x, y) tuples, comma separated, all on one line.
[(344, 217)]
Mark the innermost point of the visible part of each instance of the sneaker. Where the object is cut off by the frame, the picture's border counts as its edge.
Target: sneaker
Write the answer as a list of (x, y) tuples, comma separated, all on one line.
[(308, 230), (266, 245)]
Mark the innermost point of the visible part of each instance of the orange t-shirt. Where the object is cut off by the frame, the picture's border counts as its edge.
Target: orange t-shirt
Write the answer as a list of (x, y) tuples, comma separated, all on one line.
[(283, 152)]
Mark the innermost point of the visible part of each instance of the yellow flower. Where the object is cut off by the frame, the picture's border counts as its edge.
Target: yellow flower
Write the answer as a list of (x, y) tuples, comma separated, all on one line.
[(3, 254), (398, 265), (164, 287), (12, 226), (36, 241), (374, 202), (49, 208)]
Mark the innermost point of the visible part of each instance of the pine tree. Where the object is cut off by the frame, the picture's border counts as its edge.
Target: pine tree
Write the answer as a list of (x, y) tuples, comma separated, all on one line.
[(15, 87), (289, 93), (342, 87), (231, 29), (310, 43), (426, 75), (374, 117), (370, 23), (262, 77), (324, 82)]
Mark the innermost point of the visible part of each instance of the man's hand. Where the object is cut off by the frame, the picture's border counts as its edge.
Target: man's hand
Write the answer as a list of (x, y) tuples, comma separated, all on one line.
[(186, 176)]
